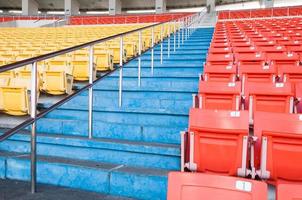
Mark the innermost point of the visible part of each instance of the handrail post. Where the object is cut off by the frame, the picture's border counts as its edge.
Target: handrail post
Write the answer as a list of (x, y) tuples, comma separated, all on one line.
[(152, 51), (161, 44), (139, 58), (174, 36), (121, 72), (183, 33), (90, 93), (179, 30), (169, 40), (33, 114)]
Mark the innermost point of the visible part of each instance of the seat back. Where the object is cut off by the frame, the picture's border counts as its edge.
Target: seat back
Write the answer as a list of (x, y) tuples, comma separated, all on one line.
[(268, 97), (215, 134), (220, 73), (257, 73), (219, 95), (280, 146), (289, 191), (199, 186), (14, 100), (54, 81)]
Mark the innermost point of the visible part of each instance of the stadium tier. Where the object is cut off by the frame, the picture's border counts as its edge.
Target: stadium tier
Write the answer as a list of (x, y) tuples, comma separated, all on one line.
[(260, 13), (126, 19), (57, 75), (245, 121), (156, 106)]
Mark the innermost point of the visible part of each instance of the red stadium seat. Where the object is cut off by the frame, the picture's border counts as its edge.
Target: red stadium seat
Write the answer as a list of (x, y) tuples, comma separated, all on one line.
[(219, 95), (250, 49), (283, 58), (214, 134), (289, 191), (291, 74), (281, 146), (220, 59), (268, 97), (199, 186), (257, 73), (219, 73), (250, 58)]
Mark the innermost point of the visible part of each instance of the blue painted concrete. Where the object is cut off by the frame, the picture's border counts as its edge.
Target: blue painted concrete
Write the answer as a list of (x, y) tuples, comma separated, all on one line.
[(134, 146)]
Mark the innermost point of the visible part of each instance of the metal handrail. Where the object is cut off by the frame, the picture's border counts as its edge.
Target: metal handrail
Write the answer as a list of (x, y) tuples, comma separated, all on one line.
[(185, 22)]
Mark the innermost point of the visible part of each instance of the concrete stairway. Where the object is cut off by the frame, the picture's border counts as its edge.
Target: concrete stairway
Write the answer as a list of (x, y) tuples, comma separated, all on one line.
[(135, 146)]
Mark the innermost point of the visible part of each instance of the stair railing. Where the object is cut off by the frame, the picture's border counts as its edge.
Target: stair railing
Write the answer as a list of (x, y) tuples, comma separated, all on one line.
[(180, 27)]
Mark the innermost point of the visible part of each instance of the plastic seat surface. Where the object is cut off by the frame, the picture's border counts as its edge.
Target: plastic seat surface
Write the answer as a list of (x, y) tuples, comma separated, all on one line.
[(199, 186), (283, 133), (289, 191), (218, 133)]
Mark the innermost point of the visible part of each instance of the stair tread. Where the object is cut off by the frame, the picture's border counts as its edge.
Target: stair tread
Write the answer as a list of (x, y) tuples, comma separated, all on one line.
[(86, 163)]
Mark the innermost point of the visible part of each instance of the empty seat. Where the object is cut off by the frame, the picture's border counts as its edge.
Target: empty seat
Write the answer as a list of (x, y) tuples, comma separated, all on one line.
[(250, 58), (268, 97), (104, 60), (14, 100), (57, 77), (283, 58), (291, 74), (289, 191), (80, 66), (220, 59), (257, 73), (199, 186), (219, 95), (213, 135), (280, 145), (218, 73)]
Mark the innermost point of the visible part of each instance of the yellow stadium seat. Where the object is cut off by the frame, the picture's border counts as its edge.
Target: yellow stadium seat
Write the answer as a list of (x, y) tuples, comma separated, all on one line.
[(56, 77), (80, 66), (14, 100), (104, 60), (116, 53)]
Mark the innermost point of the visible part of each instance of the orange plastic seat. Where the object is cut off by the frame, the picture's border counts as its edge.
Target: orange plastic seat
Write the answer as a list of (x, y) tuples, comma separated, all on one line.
[(250, 58), (291, 73), (213, 135), (268, 97), (289, 191), (220, 59), (219, 73), (219, 95), (280, 146), (257, 73), (283, 58), (199, 186)]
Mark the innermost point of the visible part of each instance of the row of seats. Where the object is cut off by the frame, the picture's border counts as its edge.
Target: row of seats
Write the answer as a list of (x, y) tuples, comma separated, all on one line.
[(57, 75), (245, 120), (124, 19), (258, 13)]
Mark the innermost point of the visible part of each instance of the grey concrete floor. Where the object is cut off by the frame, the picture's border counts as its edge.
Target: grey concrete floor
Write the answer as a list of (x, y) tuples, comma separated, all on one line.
[(19, 190)]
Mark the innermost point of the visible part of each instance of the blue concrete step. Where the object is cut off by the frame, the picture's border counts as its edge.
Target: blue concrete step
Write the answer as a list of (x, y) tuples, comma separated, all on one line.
[(184, 72), (109, 125), (189, 84), (134, 154), (167, 63), (119, 180), (146, 103)]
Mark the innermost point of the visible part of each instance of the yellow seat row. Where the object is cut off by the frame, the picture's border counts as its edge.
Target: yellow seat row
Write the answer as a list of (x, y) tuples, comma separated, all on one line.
[(56, 75)]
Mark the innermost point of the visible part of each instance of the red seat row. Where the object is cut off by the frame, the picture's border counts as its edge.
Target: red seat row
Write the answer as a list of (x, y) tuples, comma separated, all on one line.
[(125, 19), (257, 13), (245, 120)]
